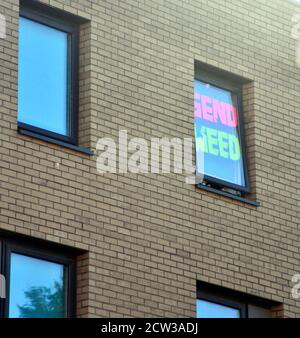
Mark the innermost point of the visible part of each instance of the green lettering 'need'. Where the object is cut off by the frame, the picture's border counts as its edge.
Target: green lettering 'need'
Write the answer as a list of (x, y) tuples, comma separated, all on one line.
[(218, 143), (234, 148)]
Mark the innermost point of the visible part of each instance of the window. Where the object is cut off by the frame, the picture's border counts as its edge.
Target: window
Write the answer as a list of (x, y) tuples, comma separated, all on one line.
[(39, 280), (48, 74), (207, 309), (32, 279), (218, 302), (220, 150)]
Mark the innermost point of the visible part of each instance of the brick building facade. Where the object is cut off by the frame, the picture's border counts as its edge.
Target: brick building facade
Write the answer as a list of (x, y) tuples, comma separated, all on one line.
[(143, 241)]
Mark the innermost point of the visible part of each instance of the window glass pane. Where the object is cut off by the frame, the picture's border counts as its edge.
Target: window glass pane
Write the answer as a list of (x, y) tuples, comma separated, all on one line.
[(43, 62), (217, 134), (36, 288), (212, 310)]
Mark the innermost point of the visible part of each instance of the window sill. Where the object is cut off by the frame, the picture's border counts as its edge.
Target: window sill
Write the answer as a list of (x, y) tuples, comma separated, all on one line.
[(53, 141), (227, 194)]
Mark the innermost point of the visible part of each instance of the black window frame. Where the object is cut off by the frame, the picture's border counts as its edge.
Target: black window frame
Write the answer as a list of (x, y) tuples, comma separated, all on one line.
[(68, 23), (44, 251), (232, 84), (232, 298)]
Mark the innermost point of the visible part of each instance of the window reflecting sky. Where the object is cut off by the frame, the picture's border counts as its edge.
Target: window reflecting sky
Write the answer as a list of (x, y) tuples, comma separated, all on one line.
[(212, 310), (43, 62), (44, 281)]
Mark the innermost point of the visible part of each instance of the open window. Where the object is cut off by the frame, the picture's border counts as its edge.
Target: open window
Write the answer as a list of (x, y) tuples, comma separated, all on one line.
[(219, 130)]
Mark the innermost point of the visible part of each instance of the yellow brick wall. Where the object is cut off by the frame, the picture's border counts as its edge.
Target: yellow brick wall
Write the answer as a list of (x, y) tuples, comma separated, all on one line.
[(149, 238)]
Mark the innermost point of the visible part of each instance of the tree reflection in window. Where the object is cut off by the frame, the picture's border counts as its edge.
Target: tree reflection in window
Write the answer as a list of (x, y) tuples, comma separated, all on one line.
[(43, 302), (37, 288)]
